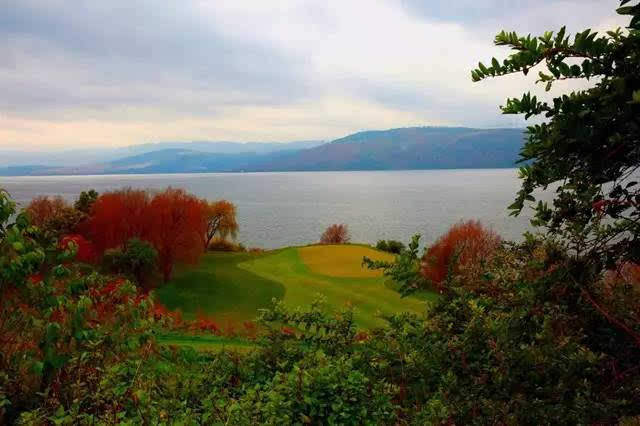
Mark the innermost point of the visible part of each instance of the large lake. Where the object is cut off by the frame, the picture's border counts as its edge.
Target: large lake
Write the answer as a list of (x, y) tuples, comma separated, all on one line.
[(281, 209)]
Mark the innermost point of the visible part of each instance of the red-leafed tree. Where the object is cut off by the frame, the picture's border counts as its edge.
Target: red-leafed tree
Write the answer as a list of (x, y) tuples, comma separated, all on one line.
[(175, 228), (465, 244), (118, 216), (42, 209), (335, 234)]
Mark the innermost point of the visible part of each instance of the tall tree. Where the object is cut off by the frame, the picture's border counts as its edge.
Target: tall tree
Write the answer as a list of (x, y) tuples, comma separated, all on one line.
[(117, 217), (175, 228), (219, 220), (588, 141)]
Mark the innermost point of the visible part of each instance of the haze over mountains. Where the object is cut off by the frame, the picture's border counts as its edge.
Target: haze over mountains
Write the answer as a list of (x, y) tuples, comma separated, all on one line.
[(394, 149), (100, 155)]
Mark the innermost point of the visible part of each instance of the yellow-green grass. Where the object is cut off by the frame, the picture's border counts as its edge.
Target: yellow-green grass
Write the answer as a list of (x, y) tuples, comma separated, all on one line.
[(343, 260), (234, 286), (304, 274)]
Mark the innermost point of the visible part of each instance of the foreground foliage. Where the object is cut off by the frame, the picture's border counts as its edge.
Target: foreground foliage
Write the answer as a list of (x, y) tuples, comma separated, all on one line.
[(516, 344)]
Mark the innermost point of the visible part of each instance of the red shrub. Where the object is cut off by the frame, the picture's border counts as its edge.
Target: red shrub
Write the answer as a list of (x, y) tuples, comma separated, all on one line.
[(335, 234), (465, 244), (287, 331), (250, 329), (42, 209), (35, 278), (361, 336), (86, 252)]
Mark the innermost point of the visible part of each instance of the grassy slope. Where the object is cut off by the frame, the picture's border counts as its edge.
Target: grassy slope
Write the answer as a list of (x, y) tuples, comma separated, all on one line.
[(218, 287), (233, 286), (303, 271)]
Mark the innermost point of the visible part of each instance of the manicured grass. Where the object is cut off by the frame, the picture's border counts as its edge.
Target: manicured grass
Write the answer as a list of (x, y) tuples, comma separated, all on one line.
[(233, 286), (206, 343), (341, 260), (217, 288), (303, 282)]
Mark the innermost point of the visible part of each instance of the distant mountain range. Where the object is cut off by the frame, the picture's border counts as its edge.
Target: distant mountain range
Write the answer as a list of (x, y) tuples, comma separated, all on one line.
[(395, 149), (65, 158)]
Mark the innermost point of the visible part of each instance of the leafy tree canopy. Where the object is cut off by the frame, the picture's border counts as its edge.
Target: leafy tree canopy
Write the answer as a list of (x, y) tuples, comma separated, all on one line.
[(588, 141), (85, 201)]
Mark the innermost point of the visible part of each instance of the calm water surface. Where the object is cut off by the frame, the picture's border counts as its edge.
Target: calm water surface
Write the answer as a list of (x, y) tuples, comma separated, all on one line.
[(281, 209)]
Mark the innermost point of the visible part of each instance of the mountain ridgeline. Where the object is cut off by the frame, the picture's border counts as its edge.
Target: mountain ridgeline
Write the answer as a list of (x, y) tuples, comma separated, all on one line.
[(409, 148), (395, 149)]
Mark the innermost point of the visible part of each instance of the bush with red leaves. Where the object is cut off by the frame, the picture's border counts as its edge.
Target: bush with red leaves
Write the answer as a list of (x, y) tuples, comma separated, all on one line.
[(465, 244), (335, 234), (85, 250)]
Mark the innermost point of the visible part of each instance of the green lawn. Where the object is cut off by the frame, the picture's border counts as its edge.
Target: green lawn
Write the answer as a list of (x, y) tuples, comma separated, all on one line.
[(206, 342), (235, 285), (219, 289)]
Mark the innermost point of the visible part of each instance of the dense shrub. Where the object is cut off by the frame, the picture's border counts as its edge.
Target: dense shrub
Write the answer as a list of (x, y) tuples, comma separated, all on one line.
[(42, 209), (85, 252), (464, 245), (525, 347), (335, 234), (391, 246), (138, 260), (54, 216), (60, 325), (85, 201)]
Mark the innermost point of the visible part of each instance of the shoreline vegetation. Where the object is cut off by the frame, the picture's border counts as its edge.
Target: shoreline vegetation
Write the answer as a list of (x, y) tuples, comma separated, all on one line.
[(135, 306)]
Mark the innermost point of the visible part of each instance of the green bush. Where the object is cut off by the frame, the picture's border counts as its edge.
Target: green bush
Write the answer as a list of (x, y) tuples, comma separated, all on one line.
[(137, 260), (391, 246)]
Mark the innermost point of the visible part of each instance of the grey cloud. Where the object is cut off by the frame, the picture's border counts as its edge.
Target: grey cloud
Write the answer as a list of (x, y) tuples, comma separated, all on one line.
[(488, 17), (101, 54), (441, 104), (100, 60)]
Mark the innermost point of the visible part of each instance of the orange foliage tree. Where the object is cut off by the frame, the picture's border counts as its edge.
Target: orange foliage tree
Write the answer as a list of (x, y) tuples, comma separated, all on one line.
[(171, 220), (118, 216), (335, 234), (465, 244), (42, 209), (219, 220), (175, 221)]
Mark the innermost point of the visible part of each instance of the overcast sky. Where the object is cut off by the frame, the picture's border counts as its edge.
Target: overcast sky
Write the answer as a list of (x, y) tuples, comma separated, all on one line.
[(121, 72)]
